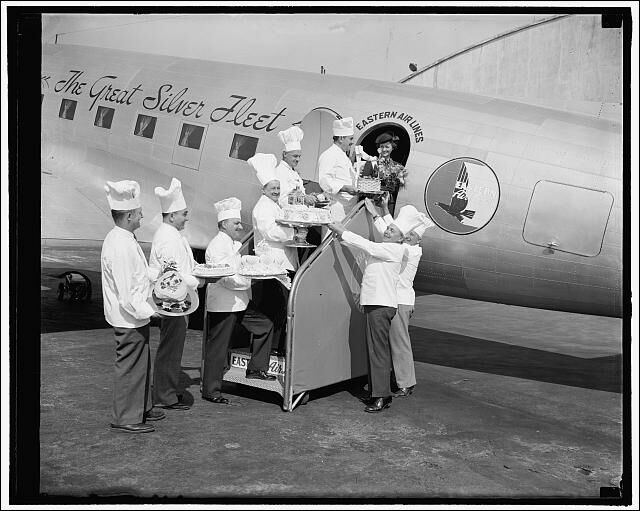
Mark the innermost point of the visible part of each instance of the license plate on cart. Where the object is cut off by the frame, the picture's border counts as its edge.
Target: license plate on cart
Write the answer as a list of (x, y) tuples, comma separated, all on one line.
[(241, 361)]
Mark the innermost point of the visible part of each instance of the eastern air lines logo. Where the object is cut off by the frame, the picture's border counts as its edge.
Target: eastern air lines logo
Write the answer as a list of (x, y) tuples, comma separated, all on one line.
[(462, 195)]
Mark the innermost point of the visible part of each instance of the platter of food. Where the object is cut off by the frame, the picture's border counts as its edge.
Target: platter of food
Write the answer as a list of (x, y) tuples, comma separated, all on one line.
[(299, 244), (298, 223), (211, 271), (253, 276), (260, 267)]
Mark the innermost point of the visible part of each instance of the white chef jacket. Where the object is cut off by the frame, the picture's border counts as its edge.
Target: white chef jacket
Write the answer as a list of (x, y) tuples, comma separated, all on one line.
[(169, 244), (334, 171), (126, 285), (289, 181), (406, 294), (229, 294), (265, 228), (382, 271)]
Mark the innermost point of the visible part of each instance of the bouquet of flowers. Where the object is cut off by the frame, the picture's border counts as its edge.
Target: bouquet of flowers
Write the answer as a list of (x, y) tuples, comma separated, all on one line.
[(392, 174)]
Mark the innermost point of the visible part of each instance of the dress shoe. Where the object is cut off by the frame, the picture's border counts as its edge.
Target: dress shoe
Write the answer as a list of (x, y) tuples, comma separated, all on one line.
[(154, 415), (259, 375), (133, 428), (404, 391), (378, 404), (219, 400), (175, 406)]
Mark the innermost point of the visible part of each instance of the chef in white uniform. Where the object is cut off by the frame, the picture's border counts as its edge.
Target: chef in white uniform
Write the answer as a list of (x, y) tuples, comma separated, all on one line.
[(169, 245), (273, 302), (286, 172), (229, 304), (379, 297), (336, 174), (267, 209), (399, 340), (126, 287)]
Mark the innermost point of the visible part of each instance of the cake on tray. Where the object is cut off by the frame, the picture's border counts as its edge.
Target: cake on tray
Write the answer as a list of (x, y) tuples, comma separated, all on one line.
[(300, 213), (264, 264), (212, 270)]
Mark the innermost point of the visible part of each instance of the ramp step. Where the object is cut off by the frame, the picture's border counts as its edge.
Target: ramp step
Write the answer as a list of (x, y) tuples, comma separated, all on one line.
[(239, 360)]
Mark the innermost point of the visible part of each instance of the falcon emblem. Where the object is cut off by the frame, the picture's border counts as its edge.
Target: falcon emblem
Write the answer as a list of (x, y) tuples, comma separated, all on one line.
[(459, 199)]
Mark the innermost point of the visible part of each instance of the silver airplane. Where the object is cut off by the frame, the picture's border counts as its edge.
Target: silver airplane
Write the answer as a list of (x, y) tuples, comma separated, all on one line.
[(526, 200)]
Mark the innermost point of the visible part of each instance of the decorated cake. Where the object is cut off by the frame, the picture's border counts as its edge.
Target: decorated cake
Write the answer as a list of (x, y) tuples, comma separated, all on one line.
[(265, 264), (268, 255), (212, 270), (170, 290), (368, 184), (300, 213)]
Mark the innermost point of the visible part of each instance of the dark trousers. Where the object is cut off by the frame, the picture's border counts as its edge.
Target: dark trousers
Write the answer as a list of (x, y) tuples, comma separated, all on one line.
[(132, 372), (167, 364), (378, 324), (219, 332), (273, 304)]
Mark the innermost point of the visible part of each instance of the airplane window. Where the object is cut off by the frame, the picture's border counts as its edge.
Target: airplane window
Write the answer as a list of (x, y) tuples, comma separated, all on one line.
[(67, 109), (104, 117), (145, 126), (567, 218), (191, 136), (243, 147)]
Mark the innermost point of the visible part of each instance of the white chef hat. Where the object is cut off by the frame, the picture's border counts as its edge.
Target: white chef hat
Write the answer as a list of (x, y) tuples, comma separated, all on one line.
[(265, 167), (343, 127), (228, 208), (291, 138), (123, 195), (425, 223), (408, 219), (172, 199)]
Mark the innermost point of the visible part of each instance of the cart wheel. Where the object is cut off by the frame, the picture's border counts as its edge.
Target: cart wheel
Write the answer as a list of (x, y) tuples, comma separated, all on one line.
[(305, 399)]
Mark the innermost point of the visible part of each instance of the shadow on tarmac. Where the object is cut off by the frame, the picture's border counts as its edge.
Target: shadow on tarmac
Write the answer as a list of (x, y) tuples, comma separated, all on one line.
[(430, 346), (482, 355)]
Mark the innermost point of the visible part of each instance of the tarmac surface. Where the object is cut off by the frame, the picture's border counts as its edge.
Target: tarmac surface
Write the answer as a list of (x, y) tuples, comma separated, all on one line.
[(510, 402)]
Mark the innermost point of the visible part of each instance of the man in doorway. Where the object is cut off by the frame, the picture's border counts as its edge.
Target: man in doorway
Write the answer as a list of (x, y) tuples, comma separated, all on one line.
[(335, 170), (169, 245), (125, 289), (291, 180), (286, 171)]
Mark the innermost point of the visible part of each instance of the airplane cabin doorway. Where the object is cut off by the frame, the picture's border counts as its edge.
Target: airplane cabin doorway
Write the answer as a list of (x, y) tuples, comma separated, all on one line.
[(400, 154), (318, 136)]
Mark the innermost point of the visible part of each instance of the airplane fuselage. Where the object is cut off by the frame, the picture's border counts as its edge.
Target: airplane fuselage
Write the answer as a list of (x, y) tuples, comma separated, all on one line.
[(527, 201)]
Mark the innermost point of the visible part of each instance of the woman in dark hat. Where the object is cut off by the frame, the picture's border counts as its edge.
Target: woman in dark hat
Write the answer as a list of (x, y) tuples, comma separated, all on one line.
[(391, 173)]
